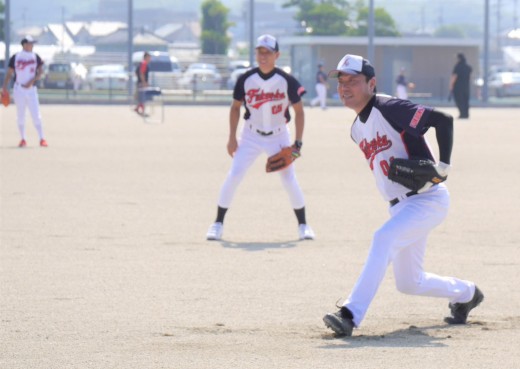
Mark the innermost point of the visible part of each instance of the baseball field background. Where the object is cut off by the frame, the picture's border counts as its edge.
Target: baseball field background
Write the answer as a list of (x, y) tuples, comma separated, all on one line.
[(104, 262)]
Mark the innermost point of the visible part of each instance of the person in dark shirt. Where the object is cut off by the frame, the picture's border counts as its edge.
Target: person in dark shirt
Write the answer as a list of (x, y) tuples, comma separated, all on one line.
[(459, 85)]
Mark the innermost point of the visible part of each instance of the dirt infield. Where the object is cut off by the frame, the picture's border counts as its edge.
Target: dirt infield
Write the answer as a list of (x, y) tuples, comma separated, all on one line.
[(104, 262)]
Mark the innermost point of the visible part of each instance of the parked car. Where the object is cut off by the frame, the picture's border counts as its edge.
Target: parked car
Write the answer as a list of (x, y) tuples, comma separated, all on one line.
[(64, 75), (58, 75), (233, 77), (164, 70), (238, 64), (201, 76), (108, 77), (504, 84)]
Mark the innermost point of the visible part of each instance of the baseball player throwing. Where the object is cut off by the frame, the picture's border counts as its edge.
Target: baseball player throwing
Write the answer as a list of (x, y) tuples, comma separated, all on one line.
[(26, 66), (387, 128), (266, 93)]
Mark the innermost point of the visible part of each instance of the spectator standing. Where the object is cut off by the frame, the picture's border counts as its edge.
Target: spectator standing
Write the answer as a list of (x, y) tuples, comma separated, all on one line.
[(459, 85)]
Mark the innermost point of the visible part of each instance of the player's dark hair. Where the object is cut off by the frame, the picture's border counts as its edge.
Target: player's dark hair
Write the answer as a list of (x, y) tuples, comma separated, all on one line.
[(367, 78)]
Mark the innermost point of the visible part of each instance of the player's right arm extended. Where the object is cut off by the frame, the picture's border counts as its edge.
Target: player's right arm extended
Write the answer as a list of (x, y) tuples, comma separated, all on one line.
[(234, 118)]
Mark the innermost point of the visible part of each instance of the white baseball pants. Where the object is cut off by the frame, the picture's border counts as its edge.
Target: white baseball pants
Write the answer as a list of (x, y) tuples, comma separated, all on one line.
[(321, 91), (402, 92), (251, 145), (402, 241), (27, 98)]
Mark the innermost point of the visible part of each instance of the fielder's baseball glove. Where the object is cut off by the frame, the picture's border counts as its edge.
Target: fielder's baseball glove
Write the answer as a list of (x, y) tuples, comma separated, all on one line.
[(6, 99), (417, 175), (282, 159)]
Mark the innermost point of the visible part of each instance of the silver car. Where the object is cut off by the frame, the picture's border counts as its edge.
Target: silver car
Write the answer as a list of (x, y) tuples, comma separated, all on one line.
[(108, 77), (201, 76), (505, 84)]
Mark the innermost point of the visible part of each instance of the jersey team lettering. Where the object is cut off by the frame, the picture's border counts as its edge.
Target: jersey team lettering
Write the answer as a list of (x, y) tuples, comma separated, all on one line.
[(375, 146), (22, 64), (257, 97), (417, 117)]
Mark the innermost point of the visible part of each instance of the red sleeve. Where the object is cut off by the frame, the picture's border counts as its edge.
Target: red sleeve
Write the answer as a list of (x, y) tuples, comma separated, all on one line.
[(143, 67)]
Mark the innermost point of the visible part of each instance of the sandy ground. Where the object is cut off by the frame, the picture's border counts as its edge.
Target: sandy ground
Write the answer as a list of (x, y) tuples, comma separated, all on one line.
[(104, 262)]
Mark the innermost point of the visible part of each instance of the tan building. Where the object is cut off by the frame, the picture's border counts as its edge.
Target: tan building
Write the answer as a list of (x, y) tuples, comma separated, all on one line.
[(428, 62)]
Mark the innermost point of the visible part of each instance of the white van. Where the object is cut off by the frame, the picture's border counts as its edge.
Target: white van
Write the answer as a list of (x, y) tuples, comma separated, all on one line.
[(164, 69)]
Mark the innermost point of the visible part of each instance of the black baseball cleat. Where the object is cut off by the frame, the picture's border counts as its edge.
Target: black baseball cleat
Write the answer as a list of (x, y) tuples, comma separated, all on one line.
[(460, 311), (340, 322)]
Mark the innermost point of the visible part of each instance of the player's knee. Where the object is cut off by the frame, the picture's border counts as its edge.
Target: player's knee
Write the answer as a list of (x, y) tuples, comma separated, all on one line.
[(237, 172), (408, 286)]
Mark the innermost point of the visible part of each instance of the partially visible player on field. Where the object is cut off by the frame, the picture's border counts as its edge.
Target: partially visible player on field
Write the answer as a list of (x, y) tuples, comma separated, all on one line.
[(142, 73), (266, 92), (26, 67), (386, 128)]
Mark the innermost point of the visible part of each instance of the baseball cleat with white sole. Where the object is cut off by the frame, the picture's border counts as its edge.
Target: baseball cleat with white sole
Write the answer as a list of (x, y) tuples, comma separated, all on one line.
[(215, 231), (305, 232)]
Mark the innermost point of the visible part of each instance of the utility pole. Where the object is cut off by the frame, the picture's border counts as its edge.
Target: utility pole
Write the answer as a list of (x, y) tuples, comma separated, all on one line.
[(62, 30), (251, 32), (371, 32), (130, 47), (486, 52), (7, 31)]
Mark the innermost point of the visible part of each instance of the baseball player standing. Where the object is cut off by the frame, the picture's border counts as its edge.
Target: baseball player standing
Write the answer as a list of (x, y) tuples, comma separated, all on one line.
[(387, 128), (266, 93), (26, 66), (321, 88)]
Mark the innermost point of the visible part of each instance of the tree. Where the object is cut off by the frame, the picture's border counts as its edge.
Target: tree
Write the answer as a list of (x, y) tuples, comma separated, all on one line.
[(333, 18), (324, 20), (327, 18), (214, 36), (383, 22), (450, 31)]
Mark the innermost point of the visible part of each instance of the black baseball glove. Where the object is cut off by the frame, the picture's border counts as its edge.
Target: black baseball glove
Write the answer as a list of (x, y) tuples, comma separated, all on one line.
[(417, 175)]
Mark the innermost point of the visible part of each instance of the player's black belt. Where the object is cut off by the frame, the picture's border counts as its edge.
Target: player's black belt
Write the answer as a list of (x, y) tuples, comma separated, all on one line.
[(264, 133), (397, 199)]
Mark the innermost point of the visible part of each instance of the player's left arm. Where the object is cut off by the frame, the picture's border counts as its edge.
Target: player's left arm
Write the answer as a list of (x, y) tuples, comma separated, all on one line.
[(299, 120), (295, 91), (443, 124), (9, 74)]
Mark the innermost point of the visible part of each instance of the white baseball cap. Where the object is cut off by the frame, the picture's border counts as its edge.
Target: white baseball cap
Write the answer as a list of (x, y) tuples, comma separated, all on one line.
[(267, 41), (353, 64), (28, 40)]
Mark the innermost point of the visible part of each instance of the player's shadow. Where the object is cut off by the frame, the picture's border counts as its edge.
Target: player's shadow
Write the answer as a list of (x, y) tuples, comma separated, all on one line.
[(408, 337), (258, 246)]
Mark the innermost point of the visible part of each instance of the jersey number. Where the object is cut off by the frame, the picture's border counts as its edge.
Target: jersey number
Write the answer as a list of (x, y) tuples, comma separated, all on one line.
[(276, 109), (385, 167)]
